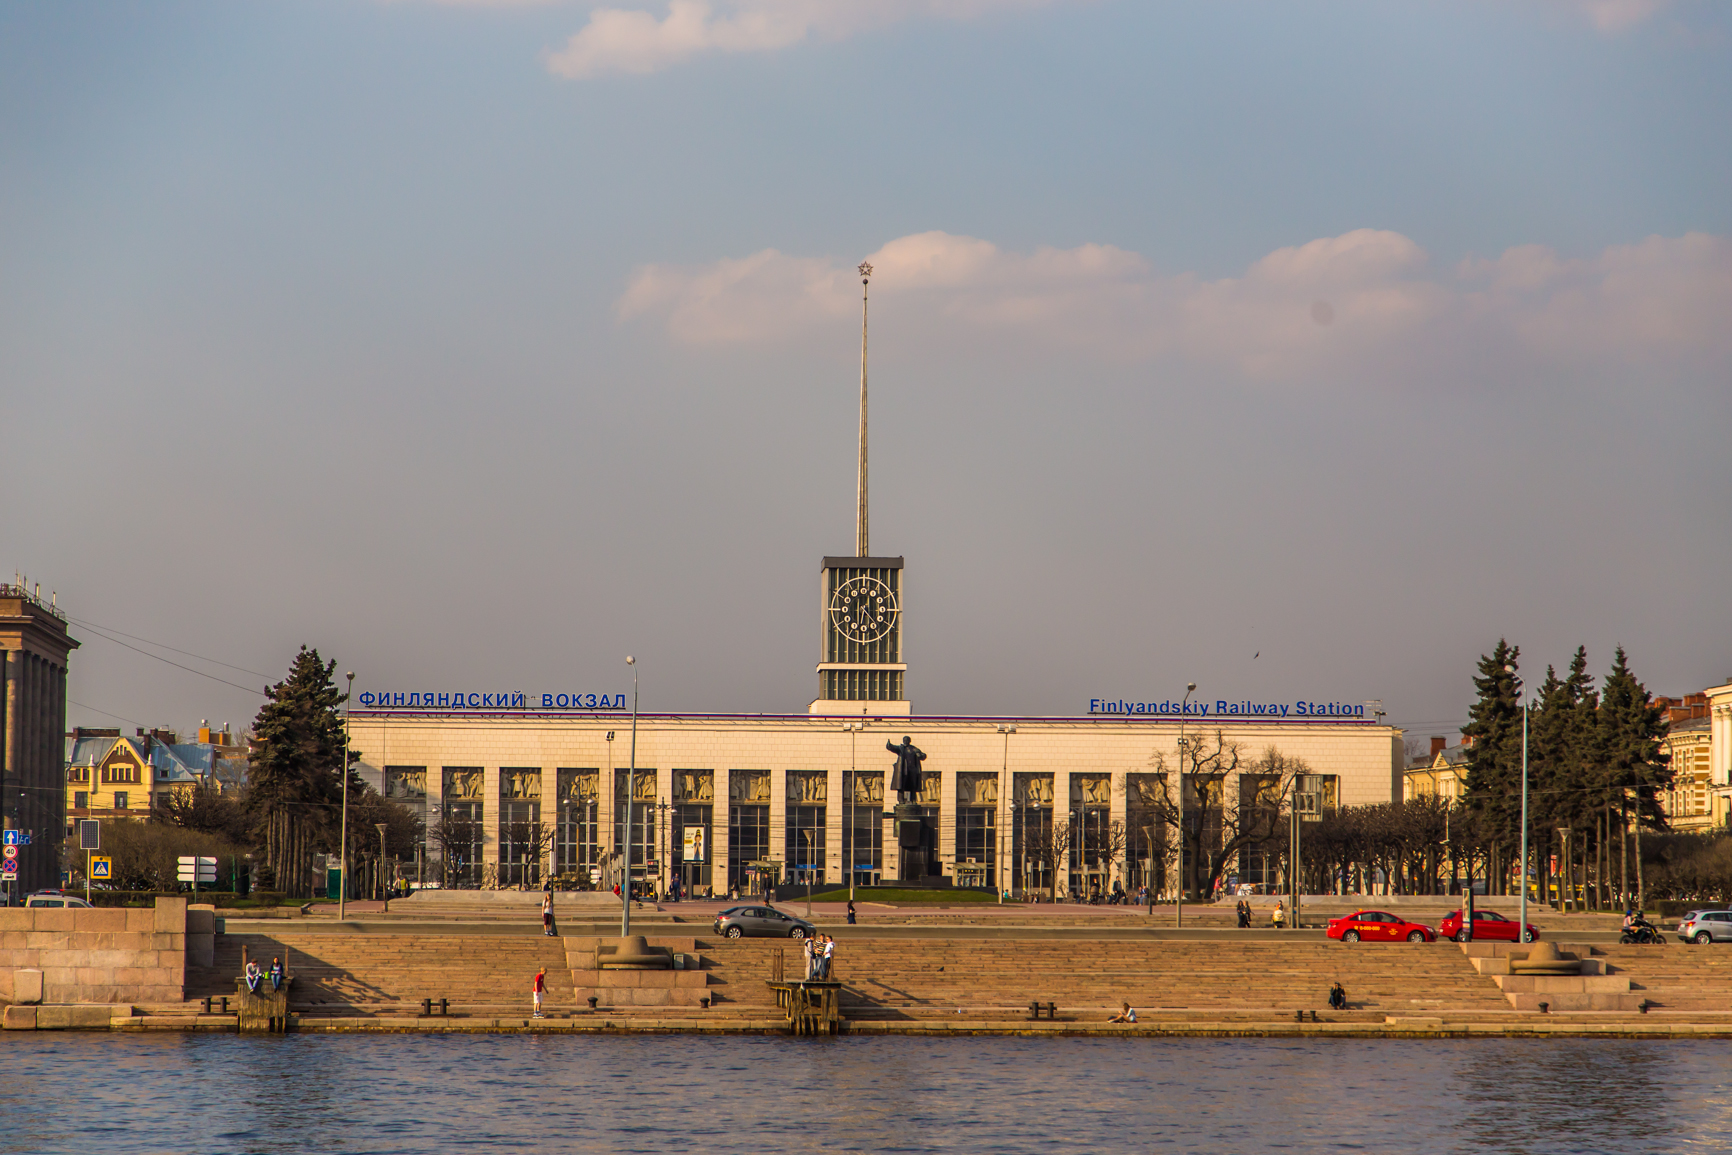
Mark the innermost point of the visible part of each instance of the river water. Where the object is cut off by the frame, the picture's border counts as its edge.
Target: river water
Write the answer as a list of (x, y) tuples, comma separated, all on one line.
[(116, 1095)]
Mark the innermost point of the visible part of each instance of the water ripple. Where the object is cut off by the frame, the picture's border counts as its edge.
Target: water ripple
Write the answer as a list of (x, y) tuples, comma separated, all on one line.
[(140, 1095)]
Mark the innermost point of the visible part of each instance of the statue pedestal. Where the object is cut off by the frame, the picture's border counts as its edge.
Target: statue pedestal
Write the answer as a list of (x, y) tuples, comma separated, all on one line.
[(910, 843)]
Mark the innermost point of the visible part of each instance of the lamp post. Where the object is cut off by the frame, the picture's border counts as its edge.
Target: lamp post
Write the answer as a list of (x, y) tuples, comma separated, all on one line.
[(1179, 909), (343, 853), (1004, 787), (381, 828), (630, 790), (1527, 703)]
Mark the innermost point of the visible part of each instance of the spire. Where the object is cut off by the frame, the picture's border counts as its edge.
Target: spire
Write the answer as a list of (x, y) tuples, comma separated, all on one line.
[(861, 522)]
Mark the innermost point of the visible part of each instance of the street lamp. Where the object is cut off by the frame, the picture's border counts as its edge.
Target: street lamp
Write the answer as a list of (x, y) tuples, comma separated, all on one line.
[(343, 855), (630, 790), (1004, 787), (1179, 909), (1527, 703)]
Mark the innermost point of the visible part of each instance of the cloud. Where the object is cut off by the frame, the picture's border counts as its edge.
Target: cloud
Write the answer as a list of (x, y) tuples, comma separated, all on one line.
[(1613, 16), (634, 40), (1368, 302)]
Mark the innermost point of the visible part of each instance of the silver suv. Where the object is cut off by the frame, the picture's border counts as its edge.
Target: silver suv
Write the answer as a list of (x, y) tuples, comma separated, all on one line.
[(1705, 926)]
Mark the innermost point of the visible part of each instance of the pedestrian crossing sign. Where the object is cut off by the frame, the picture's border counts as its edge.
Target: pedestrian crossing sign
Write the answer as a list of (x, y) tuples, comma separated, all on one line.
[(101, 867)]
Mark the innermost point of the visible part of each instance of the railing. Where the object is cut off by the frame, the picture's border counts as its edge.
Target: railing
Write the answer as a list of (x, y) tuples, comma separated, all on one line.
[(7, 590)]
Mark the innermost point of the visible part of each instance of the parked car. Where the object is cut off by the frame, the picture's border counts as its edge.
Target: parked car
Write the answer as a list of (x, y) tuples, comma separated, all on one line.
[(761, 921), (1379, 926), (1487, 924), (1705, 926), (55, 900)]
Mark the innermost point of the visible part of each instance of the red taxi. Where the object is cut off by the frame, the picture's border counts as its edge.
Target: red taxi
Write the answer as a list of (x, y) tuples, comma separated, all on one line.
[(1488, 925), (1379, 926)]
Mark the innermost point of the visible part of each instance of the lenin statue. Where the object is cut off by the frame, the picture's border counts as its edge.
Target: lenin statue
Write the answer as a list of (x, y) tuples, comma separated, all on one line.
[(906, 778)]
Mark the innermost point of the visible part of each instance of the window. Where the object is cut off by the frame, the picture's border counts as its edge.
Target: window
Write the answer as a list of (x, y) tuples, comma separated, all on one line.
[(521, 838), (643, 820), (863, 825), (977, 822), (120, 800), (808, 793), (81, 800), (459, 831), (1034, 851), (1146, 843), (748, 824), (694, 793), (577, 842)]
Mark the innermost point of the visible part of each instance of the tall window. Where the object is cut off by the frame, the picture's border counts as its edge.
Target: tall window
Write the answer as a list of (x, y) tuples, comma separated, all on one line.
[(977, 826), (1091, 838), (577, 840), (458, 830), (748, 825), (643, 820), (808, 796), (694, 798), (521, 837), (1033, 850), (1147, 846), (863, 825)]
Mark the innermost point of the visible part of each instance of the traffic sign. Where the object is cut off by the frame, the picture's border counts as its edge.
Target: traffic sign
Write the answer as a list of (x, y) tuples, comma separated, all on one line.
[(89, 834), (9, 868), (196, 869), (10, 851), (102, 866), (10, 837)]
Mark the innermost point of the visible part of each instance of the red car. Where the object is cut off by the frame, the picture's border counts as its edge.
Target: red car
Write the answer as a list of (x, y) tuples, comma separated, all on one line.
[(1487, 924), (1379, 926)]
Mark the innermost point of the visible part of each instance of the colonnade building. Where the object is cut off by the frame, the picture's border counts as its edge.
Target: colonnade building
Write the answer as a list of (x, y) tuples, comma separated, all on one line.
[(511, 795)]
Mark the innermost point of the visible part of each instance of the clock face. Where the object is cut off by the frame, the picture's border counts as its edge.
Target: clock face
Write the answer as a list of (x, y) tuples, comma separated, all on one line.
[(863, 609)]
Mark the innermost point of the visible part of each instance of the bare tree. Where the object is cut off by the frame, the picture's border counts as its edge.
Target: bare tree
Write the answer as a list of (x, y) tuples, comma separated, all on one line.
[(1229, 804), (1049, 846)]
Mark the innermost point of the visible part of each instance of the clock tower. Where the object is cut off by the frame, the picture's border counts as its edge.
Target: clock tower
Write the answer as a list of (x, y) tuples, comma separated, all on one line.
[(861, 669)]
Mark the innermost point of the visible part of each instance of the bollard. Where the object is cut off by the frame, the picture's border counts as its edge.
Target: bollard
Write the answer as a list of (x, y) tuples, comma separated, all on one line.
[(1298, 1016), (426, 1007), (592, 1001), (204, 1008), (445, 1006), (703, 1002), (1545, 1008), (225, 999)]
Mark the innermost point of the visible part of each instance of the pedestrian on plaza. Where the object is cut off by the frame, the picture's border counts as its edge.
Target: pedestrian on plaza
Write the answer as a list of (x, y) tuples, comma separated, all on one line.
[(1280, 914), (1127, 1015), (547, 915), (809, 948), (1244, 914), (539, 988), (850, 912), (829, 954)]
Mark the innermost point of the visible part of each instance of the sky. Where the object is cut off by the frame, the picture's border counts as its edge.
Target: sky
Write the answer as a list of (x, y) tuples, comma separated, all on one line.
[(1297, 351)]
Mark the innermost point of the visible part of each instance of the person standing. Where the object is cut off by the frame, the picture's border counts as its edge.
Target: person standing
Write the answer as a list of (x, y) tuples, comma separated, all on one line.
[(824, 962), (547, 914), (850, 912), (538, 988), (809, 947)]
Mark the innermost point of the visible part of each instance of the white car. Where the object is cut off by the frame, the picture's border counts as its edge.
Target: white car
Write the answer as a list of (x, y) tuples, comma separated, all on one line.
[(56, 900)]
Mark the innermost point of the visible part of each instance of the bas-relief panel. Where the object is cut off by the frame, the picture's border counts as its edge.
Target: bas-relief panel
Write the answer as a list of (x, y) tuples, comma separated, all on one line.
[(977, 790)]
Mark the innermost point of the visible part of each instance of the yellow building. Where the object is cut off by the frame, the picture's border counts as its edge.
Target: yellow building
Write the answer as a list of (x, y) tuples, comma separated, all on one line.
[(1442, 772), (1691, 803), (111, 776)]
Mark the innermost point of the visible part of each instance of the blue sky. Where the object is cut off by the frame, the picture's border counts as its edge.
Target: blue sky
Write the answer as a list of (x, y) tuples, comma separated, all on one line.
[(481, 344)]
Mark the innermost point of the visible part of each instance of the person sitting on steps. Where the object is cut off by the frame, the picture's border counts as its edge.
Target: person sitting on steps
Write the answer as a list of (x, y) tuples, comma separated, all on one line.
[(1337, 997), (1127, 1015)]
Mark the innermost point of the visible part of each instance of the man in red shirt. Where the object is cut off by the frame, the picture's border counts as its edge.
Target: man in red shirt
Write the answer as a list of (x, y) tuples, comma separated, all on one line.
[(538, 988)]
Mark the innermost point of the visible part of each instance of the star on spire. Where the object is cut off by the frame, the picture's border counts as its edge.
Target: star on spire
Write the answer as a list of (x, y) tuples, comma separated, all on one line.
[(865, 270)]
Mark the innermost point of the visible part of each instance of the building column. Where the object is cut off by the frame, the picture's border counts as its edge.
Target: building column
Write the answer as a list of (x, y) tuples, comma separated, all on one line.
[(835, 807), (489, 819)]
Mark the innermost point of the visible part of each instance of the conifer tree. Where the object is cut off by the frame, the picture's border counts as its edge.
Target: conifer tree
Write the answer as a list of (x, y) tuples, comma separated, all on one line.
[(1495, 753), (1633, 762), (294, 792)]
